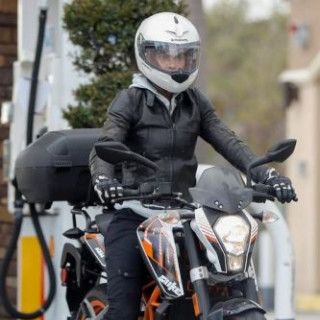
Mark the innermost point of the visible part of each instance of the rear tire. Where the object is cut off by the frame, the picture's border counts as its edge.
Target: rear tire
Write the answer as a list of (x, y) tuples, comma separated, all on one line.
[(93, 303)]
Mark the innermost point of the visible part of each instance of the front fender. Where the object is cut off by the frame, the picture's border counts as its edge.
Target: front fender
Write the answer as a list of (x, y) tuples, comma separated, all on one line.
[(246, 310)]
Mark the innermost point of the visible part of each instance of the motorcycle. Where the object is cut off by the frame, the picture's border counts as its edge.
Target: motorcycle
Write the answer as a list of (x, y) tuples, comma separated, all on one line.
[(199, 254)]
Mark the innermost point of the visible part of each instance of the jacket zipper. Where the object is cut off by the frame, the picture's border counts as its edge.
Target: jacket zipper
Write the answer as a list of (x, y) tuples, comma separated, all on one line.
[(172, 151), (173, 128)]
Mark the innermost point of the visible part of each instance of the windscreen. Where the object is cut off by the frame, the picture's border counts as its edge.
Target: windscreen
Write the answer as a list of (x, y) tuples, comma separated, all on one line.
[(221, 188)]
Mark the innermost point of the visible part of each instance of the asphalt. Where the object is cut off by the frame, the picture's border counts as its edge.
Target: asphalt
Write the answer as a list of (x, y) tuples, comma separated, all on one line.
[(299, 316)]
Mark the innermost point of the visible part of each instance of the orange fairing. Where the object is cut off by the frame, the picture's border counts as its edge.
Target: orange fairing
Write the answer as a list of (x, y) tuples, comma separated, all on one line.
[(159, 250), (196, 306), (147, 247), (151, 302)]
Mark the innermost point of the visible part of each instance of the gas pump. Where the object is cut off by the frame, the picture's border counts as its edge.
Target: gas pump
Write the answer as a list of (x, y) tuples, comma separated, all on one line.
[(37, 105), (19, 203)]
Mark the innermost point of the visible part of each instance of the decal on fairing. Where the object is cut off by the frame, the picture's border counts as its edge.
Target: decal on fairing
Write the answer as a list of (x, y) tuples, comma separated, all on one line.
[(253, 237), (170, 285), (159, 250), (254, 227), (206, 235), (95, 244), (204, 226)]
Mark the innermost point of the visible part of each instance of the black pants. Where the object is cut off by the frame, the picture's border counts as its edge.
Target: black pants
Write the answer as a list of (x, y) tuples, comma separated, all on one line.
[(125, 268)]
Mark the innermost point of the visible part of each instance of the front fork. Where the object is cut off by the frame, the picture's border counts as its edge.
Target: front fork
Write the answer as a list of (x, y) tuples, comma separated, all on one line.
[(198, 274)]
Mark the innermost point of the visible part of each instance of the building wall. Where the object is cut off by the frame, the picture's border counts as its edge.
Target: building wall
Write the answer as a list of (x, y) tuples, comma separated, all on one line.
[(302, 124), (8, 54), (303, 118), (304, 12)]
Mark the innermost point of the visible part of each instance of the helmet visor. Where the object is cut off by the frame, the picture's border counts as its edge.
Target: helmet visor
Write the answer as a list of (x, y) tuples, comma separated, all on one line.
[(170, 57)]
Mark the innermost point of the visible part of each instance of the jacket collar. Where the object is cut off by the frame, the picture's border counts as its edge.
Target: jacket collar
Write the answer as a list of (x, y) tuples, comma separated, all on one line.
[(140, 81)]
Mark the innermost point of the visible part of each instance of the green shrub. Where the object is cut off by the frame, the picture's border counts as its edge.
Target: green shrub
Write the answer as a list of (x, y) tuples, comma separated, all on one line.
[(94, 98), (103, 31)]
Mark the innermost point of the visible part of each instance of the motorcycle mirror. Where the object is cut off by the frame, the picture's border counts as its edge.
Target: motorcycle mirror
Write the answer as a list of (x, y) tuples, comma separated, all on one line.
[(278, 153), (282, 150), (116, 152)]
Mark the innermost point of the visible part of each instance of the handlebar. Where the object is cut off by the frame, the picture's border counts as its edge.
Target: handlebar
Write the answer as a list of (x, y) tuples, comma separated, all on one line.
[(146, 192), (260, 193), (131, 193)]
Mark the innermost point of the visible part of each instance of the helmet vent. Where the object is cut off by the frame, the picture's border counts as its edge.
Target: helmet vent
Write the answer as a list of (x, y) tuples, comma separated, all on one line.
[(176, 20)]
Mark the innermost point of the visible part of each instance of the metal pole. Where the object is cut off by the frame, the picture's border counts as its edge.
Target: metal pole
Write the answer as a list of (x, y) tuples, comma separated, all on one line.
[(284, 263)]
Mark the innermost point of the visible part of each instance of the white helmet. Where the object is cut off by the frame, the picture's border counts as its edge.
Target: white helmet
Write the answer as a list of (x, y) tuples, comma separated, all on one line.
[(167, 50)]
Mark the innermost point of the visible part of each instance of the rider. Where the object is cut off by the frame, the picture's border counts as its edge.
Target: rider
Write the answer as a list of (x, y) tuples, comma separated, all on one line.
[(160, 117)]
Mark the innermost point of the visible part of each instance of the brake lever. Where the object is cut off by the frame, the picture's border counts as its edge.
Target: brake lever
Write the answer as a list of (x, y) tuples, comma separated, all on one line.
[(261, 197), (262, 192)]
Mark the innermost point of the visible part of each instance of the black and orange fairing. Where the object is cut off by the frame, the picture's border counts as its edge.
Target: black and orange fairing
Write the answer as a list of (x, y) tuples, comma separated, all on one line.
[(159, 251), (96, 244)]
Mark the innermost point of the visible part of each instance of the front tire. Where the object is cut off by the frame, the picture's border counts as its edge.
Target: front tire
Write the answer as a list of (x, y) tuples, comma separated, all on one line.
[(247, 315), (93, 303)]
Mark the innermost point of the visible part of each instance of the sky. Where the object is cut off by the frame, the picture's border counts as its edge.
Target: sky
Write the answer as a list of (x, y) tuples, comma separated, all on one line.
[(259, 9)]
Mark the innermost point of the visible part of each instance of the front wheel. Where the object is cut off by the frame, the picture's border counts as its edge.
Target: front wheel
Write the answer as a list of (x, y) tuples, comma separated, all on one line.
[(247, 315), (93, 303)]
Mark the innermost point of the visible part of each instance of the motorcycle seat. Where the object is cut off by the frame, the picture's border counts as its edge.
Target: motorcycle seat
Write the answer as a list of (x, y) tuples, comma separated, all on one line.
[(103, 221)]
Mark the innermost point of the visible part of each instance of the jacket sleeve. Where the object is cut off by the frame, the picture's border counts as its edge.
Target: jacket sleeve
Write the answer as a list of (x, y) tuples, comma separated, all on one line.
[(116, 128), (225, 141)]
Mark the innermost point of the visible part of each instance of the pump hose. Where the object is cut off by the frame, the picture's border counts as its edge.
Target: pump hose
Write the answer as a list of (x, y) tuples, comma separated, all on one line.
[(8, 257), (19, 202)]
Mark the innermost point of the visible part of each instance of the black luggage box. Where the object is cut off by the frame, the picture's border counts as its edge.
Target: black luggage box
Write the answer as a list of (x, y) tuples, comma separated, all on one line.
[(55, 167)]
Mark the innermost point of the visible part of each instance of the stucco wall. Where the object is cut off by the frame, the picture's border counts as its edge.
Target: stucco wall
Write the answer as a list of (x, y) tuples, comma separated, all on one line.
[(303, 124), (303, 118), (304, 12)]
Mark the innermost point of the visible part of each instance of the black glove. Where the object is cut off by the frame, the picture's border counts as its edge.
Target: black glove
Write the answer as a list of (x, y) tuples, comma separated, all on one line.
[(108, 189), (282, 185)]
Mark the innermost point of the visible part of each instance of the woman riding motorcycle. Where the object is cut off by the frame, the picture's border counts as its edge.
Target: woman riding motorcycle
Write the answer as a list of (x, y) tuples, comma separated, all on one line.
[(160, 116)]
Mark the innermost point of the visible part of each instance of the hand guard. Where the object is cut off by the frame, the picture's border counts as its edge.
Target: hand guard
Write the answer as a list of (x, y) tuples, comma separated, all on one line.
[(108, 189), (282, 185)]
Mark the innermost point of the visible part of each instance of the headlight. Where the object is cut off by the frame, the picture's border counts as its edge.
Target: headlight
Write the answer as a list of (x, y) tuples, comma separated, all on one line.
[(235, 263), (233, 232)]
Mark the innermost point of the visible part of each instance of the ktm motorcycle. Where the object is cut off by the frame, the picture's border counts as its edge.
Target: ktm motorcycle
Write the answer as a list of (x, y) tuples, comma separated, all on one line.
[(199, 254)]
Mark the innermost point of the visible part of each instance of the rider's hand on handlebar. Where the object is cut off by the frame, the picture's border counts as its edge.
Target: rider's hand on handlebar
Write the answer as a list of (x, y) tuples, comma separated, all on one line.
[(108, 189), (282, 185)]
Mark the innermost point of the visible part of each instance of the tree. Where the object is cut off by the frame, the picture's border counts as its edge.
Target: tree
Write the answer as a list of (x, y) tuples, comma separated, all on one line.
[(103, 31), (246, 59)]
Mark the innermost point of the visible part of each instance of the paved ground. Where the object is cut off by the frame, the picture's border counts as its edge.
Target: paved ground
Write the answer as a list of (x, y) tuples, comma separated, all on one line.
[(300, 316), (308, 316)]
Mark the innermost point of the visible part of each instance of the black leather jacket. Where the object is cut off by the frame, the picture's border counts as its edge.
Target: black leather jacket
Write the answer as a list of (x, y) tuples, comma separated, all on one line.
[(140, 120)]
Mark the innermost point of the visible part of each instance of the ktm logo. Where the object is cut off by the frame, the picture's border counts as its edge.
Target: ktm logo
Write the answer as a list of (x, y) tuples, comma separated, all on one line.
[(170, 285), (99, 252)]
